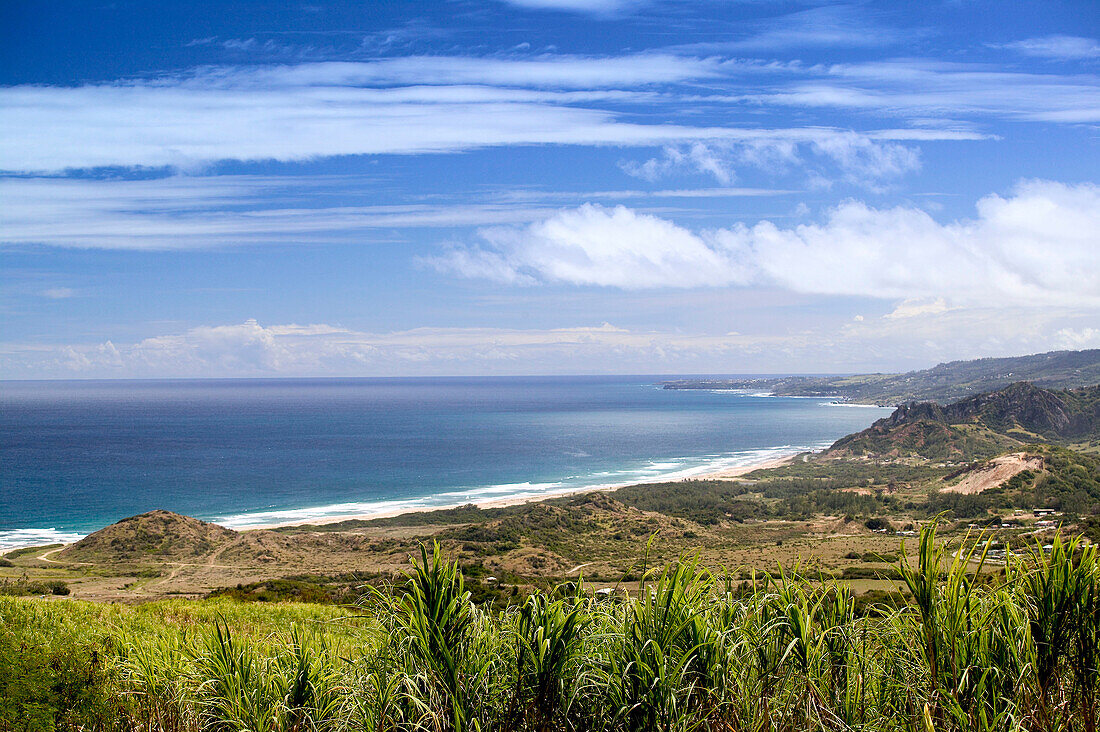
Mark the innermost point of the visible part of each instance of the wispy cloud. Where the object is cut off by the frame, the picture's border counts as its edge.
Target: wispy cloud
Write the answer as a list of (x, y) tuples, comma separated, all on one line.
[(420, 104), (58, 293), (1035, 247), (917, 87), (858, 158), (204, 212), (594, 7), (196, 212), (401, 105), (550, 71), (1062, 48), (829, 26)]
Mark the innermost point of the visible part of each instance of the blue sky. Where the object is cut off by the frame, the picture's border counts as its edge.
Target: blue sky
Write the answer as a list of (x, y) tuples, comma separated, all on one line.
[(544, 186)]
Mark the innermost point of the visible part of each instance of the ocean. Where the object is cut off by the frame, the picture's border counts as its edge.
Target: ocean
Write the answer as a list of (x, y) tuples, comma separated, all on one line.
[(78, 455)]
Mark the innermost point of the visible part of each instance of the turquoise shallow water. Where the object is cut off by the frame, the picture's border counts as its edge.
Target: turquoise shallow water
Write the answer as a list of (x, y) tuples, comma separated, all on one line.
[(76, 456)]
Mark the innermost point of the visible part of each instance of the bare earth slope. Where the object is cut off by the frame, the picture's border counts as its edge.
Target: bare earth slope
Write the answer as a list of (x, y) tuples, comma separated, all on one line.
[(995, 472)]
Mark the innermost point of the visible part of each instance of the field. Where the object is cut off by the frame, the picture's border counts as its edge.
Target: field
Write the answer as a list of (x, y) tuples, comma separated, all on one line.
[(976, 647)]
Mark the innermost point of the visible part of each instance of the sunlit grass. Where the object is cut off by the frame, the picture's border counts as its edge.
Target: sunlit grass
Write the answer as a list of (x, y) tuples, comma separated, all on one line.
[(974, 650)]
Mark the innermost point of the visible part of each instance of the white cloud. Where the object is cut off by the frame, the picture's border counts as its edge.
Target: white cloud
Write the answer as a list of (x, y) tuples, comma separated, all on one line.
[(839, 25), (937, 89), (58, 293), (404, 105), (858, 157), (189, 212), (251, 349), (916, 307), (1078, 338), (325, 109), (598, 7), (254, 349), (183, 212), (1057, 47), (696, 156), (1035, 247), (537, 72), (593, 245), (862, 159), (959, 333)]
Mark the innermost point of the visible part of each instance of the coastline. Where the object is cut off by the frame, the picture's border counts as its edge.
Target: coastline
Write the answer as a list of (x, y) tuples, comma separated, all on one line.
[(729, 473)]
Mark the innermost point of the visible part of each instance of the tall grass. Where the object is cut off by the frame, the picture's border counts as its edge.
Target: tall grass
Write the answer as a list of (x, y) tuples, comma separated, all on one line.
[(976, 648)]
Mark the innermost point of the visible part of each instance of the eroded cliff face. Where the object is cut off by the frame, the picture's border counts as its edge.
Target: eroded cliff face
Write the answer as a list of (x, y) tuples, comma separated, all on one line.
[(1022, 405), (1019, 413)]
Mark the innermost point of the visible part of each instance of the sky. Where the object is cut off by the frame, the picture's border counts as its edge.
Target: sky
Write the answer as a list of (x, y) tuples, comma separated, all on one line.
[(544, 186)]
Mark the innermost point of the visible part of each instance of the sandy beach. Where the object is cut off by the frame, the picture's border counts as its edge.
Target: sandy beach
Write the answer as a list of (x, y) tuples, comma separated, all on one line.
[(725, 474)]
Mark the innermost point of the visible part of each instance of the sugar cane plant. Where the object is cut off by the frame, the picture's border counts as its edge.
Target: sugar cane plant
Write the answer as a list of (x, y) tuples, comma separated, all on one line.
[(976, 646)]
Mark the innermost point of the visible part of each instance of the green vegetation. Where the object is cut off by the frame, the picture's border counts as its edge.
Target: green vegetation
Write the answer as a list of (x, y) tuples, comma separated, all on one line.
[(24, 586), (16, 553), (1069, 483), (970, 649)]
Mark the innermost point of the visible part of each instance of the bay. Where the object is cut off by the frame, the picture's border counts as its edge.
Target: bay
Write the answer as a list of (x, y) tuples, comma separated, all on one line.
[(78, 455)]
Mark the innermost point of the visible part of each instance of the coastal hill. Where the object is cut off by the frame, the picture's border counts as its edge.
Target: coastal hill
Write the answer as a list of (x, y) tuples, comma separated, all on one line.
[(159, 534), (981, 425), (944, 383), (165, 538)]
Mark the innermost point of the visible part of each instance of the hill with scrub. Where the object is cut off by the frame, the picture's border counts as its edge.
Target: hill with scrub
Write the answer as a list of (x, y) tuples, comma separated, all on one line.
[(156, 534)]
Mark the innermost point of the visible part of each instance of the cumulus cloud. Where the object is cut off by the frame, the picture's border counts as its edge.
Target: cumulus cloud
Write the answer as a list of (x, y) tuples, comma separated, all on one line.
[(1037, 246), (594, 245)]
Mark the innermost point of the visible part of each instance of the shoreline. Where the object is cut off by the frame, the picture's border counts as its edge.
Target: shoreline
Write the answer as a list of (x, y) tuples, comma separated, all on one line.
[(726, 473), (505, 501)]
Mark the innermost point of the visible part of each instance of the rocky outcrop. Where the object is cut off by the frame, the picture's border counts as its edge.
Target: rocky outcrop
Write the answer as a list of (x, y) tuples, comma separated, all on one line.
[(1051, 414), (979, 426)]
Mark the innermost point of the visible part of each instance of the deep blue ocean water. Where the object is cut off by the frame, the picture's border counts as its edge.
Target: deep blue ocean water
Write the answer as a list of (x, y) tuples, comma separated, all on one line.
[(78, 455)]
